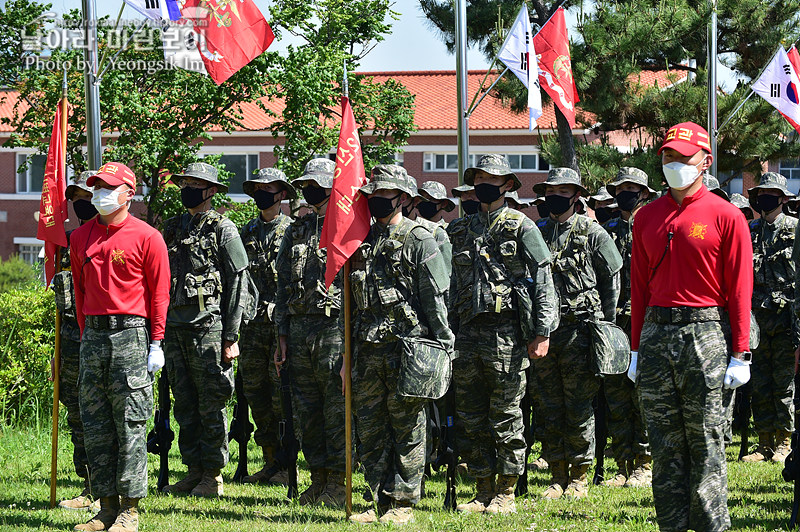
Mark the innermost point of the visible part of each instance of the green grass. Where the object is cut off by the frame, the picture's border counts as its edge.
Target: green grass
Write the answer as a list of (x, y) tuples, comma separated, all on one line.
[(759, 499)]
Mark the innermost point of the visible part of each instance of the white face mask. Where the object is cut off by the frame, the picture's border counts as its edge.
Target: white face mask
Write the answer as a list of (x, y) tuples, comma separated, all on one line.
[(106, 201), (680, 175)]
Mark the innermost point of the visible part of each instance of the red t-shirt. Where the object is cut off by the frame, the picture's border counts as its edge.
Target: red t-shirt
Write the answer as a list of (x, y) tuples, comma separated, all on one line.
[(121, 269), (709, 262)]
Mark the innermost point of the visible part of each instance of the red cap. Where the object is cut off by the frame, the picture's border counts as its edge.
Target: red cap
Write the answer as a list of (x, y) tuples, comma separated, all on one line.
[(687, 138), (114, 174)]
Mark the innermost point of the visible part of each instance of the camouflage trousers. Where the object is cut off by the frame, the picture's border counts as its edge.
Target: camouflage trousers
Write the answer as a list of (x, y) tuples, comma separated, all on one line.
[(262, 385), (116, 400), (567, 385), (489, 379), (391, 428), (626, 425), (69, 397), (681, 370), (772, 388), (315, 347), (201, 385)]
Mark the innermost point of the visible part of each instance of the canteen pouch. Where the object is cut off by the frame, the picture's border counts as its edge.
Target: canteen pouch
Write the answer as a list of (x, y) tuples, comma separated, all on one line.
[(611, 351), (425, 369)]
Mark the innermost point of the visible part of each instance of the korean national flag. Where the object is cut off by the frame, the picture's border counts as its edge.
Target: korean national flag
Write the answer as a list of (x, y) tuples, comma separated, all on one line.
[(779, 85), (156, 9), (519, 56)]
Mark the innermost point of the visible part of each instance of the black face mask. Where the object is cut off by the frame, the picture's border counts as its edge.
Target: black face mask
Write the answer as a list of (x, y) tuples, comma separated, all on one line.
[(558, 205), (543, 210), (192, 197), (627, 200), (314, 195), (603, 214), (767, 203), (84, 209), (407, 210), (381, 207), (428, 209), (488, 193), (470, 206), (264, 199)]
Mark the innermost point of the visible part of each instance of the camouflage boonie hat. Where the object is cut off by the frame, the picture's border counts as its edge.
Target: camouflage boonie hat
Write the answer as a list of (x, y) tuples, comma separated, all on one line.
[(629, 174), (80, 183), (459, 190), (412, 184), (388, 177), (561, 176), (513, 196), (269, 175), (740, 201), (601, 195), (712, 184), (493, 164), (437, 192), (772, 180), (204, 171), (319, 171)]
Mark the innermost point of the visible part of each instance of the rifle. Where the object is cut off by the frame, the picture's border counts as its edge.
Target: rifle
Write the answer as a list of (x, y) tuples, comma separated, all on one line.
[(526, 405), (600, 434), (741, 417), (446, 454), (159, 440), (241, 427)]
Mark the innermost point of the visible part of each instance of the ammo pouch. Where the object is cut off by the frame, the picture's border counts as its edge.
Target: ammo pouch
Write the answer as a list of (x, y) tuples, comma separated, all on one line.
[(611, 350), (425, 369)]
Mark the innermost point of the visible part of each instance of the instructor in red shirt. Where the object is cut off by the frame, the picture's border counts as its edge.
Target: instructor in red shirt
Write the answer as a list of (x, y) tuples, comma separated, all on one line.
[(121, 274), (691, 288)]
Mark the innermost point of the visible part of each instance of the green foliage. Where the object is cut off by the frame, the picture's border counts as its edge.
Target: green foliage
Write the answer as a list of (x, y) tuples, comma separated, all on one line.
[(241, 213), (27, 319), (16, 273)]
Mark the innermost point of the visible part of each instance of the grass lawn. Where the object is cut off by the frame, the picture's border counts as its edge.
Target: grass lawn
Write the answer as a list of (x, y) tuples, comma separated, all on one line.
[(759, 499)]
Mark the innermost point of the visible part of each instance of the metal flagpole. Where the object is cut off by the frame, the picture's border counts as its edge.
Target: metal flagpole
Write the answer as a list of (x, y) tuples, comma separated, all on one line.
[(91, 84), (461, 87), (712, 86), (347, 360)]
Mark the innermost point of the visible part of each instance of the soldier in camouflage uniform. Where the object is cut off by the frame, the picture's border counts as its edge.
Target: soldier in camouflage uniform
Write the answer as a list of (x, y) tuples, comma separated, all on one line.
[(503, 311), (626, 425), (209, 288), (430, 203), (512, 198), (712, 184), (262, 238), (603, 205), (772, 371), (467, 198), (81, 197), (398, 282), (586, 267), (306, 318), (741, 202)]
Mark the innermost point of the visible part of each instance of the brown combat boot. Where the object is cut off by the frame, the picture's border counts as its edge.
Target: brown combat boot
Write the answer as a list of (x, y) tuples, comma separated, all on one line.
[(334, 493), (128, 517), (210, 485), (81, 502), (642, 475), (400, 514), (503, 501), (558, 468), (484, 493), (319, 479), (109, 507), (764, 451), (540, 464), (578, 486), (783, 445), (187, 483), (260, 477), (619, 480)]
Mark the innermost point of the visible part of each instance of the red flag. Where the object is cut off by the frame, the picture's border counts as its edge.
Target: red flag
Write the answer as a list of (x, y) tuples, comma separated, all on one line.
[(347, 217), (53, 207), (555, 65), (231, 33), (794, 59)]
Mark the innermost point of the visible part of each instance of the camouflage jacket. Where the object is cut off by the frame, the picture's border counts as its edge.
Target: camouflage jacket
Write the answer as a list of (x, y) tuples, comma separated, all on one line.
[(301, 274), (208, 265), (586, 267), (773, 273), (262, 240), (64, 291), (621, 232), (495, 253), (398, 281), (439, 232)]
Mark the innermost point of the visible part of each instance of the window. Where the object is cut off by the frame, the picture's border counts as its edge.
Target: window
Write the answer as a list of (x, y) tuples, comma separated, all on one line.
[(30, 252), (242, 167), (445, 162), (30, 179), (790, 168)]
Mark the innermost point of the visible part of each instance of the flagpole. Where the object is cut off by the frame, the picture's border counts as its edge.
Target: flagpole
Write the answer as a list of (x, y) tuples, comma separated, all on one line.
[(472, 108), (712, 87), (91, 85), (347, 362), (461, 87), (57, 344)]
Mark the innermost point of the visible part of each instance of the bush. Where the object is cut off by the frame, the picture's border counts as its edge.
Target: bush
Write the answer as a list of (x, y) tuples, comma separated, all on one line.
[(27, 322), (15, 273)]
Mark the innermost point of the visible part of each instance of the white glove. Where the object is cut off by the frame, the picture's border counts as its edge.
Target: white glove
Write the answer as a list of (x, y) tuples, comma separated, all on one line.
[(738, 373), (633, 369), (155, 360)]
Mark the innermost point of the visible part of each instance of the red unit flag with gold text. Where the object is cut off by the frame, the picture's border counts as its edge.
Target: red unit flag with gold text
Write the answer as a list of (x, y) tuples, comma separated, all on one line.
[(347, 216), (53, 207), (555, 65)]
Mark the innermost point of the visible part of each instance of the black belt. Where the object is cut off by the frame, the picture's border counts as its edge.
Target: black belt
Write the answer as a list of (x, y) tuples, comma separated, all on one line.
[(115, 321), (675, 315)]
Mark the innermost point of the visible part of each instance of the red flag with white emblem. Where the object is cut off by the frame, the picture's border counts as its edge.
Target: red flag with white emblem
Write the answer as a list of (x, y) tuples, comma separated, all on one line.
[(555, 65)]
